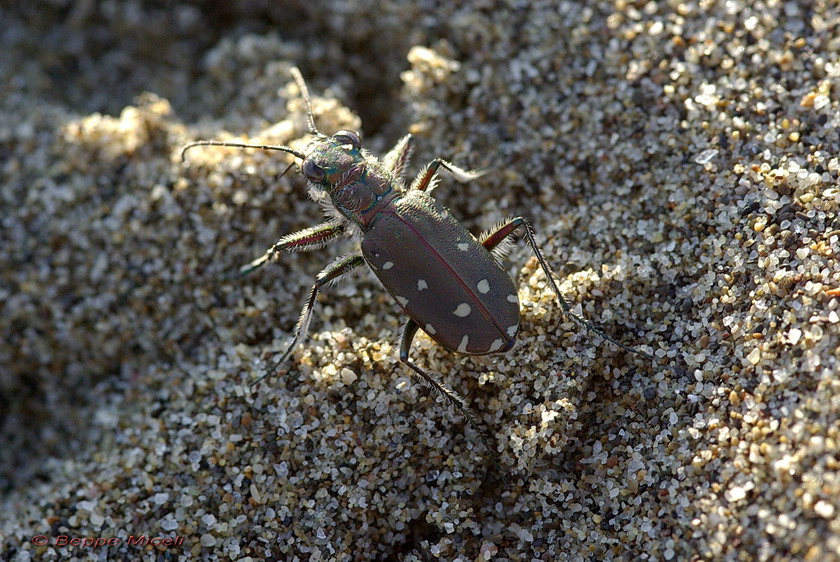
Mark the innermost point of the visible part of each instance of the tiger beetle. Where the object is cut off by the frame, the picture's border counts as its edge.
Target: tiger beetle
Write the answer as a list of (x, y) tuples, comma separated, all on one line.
[(448, 283)]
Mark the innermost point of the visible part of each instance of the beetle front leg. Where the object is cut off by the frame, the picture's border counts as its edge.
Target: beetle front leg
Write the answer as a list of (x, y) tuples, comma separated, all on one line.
[(337, 269), (424, 180), (397, 158), (408, 332), (495, 238), (301, 241)]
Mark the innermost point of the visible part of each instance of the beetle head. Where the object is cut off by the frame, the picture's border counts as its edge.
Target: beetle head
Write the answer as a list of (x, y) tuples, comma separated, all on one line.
[(333, 161), (330, 163)]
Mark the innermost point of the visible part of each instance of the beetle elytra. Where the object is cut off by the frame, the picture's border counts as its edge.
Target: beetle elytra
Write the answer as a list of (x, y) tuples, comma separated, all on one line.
[(447, 282)]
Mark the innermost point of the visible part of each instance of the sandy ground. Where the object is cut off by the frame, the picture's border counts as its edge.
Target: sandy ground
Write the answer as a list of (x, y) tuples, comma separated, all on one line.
[(679, 161)]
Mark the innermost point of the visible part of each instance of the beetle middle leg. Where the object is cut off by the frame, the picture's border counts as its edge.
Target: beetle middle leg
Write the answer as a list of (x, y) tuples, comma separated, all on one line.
[(408, 332), (301, 241), (493, 239), (334, 271)]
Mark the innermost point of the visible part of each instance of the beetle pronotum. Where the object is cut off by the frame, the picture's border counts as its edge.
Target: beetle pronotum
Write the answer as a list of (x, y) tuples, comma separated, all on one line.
[(449, 284)]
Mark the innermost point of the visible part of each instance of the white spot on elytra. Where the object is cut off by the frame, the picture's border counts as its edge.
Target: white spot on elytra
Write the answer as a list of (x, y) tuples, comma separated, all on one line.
[(463, 246), (388, 265), (512, 330), (483, 287), (402, 300), (463, 347), (430, 330), (512, 298), (496, 345), (421, 284), (463, 310)]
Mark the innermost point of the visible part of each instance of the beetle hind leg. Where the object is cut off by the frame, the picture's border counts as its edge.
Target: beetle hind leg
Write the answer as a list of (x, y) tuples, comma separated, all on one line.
[(495, 238), (409, 331), (334, 271)]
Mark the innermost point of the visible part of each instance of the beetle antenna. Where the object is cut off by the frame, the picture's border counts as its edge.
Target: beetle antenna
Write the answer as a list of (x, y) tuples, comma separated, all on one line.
[(304, 92), (281, 147), (310, 117)]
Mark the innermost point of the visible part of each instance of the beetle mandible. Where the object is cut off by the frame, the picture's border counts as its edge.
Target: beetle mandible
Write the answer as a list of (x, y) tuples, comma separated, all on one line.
[(448, 283)]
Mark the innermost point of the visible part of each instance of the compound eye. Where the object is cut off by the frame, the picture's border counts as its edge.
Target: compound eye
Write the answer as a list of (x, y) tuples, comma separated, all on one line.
[(313, 172), (348, 137)]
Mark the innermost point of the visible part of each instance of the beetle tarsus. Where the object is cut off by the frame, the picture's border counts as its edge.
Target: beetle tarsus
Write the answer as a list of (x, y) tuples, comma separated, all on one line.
[(409, 331), (337, 269)]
